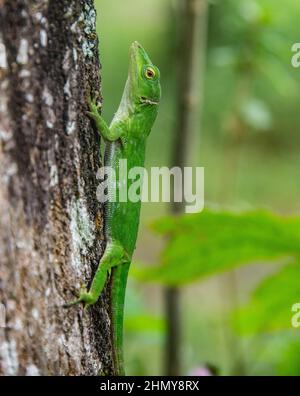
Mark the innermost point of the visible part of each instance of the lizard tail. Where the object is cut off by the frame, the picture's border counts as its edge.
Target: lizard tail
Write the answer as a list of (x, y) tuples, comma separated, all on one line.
[(118, 287)]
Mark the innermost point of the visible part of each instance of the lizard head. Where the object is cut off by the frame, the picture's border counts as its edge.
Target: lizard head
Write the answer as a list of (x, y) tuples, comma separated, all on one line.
[(144, 77)]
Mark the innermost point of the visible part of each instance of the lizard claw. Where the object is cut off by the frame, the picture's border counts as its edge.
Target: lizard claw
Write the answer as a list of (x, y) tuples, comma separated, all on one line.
[(94, 105), (84, 297), (90, 114), (93, 112), (70, 304)]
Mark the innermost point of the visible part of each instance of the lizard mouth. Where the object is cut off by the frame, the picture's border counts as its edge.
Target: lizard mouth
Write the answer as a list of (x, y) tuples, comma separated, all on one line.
[(145, 100)]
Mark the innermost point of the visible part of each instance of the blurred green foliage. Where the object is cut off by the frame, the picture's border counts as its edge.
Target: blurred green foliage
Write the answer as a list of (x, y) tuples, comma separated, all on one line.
[(270, 305), (206, 243)]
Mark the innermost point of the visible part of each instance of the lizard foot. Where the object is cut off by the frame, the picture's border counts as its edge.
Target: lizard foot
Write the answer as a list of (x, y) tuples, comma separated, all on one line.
[(84, 297), (94, 108), (94, 105)]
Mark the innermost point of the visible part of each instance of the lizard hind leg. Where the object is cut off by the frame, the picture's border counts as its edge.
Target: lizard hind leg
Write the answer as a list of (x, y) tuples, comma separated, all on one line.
[(113, 256)]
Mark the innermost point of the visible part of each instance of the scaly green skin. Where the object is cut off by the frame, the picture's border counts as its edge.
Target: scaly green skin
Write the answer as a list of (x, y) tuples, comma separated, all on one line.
[(125, 139)]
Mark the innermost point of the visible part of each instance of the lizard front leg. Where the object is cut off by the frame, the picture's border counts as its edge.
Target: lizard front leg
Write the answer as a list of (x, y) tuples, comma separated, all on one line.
[(108, 134), (113, 256)]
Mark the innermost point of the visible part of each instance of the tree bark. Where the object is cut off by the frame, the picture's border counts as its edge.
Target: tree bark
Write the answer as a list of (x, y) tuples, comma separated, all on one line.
[(51, 225)]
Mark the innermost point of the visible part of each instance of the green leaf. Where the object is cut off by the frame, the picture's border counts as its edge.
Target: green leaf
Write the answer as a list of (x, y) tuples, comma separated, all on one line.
[(270, 306), (210, 242), (144, 323)]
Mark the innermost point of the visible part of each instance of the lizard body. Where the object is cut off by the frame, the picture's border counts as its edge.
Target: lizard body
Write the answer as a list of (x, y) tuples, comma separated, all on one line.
[(125, 139)]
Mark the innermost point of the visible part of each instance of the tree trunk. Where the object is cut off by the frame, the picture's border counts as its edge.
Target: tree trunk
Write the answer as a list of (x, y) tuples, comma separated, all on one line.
[(191, 52), (51, 225)]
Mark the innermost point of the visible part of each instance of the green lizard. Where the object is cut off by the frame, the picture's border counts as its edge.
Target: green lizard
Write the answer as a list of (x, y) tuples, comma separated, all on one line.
[(125, 139)]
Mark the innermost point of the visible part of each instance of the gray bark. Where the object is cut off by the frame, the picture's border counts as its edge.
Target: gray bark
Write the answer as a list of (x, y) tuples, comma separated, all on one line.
[(51, 225)]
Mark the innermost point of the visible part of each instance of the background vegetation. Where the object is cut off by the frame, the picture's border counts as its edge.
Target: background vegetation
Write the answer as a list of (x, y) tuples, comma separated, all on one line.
[(236, 310)]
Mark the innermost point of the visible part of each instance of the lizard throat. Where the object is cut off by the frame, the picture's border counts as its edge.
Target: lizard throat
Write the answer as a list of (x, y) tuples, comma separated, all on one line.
[(148, 101)]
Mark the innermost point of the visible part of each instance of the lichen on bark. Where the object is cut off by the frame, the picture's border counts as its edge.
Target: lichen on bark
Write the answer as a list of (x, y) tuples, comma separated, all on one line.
[(51, 228)]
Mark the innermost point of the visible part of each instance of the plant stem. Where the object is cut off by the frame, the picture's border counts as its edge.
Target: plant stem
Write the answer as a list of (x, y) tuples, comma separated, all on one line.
[(190, 50)]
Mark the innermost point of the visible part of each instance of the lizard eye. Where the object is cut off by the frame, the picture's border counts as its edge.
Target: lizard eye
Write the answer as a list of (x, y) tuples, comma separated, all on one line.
[(150, 73)]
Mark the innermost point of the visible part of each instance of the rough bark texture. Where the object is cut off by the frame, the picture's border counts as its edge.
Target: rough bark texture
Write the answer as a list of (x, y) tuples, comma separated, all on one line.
[(51, 235)]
